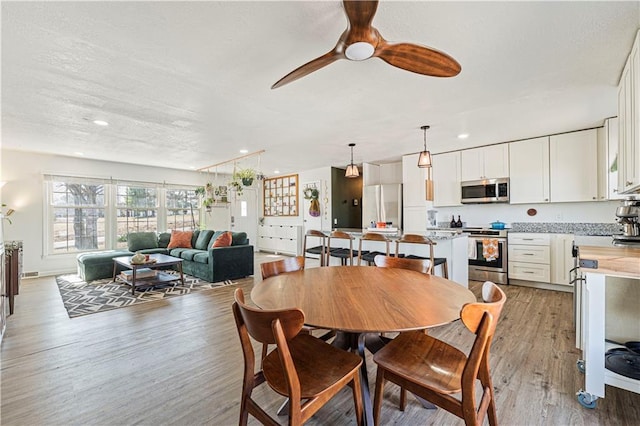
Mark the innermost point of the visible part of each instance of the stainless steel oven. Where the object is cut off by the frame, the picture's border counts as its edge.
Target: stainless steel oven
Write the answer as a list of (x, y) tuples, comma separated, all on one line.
[(481, 268)]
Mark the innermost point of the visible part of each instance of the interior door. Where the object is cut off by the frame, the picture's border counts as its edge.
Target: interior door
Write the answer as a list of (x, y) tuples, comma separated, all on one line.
[(310, 220), (244, 214)]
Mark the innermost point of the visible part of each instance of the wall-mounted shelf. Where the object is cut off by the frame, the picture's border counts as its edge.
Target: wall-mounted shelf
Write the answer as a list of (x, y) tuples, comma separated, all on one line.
[(281, 196)]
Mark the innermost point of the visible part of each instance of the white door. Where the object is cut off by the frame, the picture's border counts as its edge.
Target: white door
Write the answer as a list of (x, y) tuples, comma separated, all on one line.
[(244, 214), (311, 222)]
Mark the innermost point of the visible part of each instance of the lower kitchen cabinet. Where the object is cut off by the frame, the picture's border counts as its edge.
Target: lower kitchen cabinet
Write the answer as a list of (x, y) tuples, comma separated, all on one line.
[(280, 239), (540, 258)]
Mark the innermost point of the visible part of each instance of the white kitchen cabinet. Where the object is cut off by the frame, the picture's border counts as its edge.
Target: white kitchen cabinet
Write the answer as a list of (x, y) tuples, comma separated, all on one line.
[(529, 171), (608, 161), (446, 179), (280, 239), (629, 122), (561, 258), (540, 258), (413, 182), (487, 162), (573, 161)]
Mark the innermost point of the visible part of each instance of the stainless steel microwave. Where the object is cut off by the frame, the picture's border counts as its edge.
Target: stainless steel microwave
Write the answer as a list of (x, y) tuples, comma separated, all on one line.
[(485, 191)]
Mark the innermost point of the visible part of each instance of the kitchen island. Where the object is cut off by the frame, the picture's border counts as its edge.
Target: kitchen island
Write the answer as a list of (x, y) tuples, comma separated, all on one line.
[(451, 245), (601, 268)]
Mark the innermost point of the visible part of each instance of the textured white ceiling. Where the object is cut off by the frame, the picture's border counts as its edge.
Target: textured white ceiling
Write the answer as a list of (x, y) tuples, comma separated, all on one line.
[(187, 84)]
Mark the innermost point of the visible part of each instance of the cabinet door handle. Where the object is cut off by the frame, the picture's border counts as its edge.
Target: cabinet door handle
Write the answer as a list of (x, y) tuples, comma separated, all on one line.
[(528, 254)]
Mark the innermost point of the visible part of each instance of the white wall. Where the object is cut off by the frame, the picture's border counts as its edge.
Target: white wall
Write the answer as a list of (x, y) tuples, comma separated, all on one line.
[(484, 214), (323, 175), (24, 192)]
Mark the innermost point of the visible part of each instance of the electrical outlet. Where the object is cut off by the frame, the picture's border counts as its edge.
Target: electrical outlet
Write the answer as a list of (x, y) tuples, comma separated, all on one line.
[(558, 216)]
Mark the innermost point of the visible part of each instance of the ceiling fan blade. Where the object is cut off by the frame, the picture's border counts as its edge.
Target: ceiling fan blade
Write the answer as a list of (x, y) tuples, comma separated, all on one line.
[(309, 67), (418, 59), (360, 14)]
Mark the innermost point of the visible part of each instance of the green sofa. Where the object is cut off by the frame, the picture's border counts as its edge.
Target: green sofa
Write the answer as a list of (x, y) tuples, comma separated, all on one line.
[(209, 264)]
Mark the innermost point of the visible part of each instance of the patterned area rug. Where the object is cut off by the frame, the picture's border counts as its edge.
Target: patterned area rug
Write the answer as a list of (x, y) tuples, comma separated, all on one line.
[(81, 298)]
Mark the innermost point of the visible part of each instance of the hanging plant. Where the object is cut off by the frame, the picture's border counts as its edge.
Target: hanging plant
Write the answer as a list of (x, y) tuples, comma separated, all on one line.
[(245, 175)]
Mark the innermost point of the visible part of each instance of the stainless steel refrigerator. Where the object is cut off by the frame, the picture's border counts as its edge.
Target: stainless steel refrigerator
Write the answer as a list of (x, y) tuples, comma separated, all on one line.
[(382, 203)]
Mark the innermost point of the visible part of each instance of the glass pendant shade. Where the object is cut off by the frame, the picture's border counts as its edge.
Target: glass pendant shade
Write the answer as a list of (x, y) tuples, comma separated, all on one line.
[(352, 169), (424, 161)]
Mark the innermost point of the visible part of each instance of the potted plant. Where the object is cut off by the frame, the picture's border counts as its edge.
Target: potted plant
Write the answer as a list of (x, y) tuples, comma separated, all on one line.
[(236, 186), (206, 203), (245, 175)]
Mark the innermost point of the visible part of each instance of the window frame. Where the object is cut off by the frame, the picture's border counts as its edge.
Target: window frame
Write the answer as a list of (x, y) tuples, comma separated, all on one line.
[(110, 208)]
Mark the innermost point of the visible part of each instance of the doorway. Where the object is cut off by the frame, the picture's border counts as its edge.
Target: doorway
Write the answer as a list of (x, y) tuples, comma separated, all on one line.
[(244, 214)]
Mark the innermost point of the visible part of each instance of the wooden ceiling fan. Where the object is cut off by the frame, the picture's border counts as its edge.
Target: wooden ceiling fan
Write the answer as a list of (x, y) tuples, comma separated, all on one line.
[(362, 41)]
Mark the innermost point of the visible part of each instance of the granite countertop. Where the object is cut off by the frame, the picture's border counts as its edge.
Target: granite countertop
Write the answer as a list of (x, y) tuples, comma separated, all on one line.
[(589, 229), (436, 235)]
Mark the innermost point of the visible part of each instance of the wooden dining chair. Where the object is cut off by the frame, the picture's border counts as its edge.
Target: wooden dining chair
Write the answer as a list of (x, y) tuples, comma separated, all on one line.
[(420, 265), (277, 267), (370, 256), (304, 369), (435, 370), (319, 250), (282, 266), (342, 253), (419, 239)]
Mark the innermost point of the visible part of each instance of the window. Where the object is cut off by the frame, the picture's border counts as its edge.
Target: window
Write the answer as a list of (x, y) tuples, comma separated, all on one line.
[(182, 209), (136, 210), (85, 214), (77, 209)]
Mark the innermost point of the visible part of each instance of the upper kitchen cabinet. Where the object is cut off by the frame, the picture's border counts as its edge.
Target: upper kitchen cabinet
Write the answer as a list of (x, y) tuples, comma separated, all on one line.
[(608, 162), (629, 125), (573, 161), (529, 171), (446, 179), (487, 162), (413, 182)]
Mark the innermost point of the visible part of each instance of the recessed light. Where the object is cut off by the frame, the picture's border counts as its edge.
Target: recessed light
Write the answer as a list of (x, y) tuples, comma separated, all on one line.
[(276, 171), (192, 167), (463, 135), (100, 122), (79, 154), (244, 151)]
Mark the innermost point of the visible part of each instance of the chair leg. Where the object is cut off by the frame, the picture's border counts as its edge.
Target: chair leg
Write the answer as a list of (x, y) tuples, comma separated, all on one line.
[(445, 270), (377, 400), (357, 399)]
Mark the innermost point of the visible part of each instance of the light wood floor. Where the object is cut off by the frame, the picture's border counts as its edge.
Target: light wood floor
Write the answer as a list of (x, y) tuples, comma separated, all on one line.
[(178, 362)]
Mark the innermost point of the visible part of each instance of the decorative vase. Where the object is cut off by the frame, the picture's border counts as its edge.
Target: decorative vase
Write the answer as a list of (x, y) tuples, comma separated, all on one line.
[(247, 181)]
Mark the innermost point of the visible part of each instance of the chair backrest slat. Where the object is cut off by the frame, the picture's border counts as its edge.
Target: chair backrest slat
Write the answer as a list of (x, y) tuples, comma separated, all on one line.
[(277, 267), (259, 321), (420, 265)]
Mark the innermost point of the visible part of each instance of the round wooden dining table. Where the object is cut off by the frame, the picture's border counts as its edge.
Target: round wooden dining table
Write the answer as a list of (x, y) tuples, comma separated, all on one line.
[(365, 299), (360, 300)]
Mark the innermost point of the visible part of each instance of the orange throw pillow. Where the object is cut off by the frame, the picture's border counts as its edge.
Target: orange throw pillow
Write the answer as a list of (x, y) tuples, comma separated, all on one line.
[(180, 239), (224, 240)]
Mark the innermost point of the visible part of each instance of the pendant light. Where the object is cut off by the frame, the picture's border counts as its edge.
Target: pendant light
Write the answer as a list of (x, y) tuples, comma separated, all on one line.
[(352, 169), (425, 156)]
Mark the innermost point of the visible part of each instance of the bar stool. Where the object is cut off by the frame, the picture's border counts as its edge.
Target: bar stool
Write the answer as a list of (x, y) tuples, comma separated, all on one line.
[(419, 239), (370, 256), (341, 253), (321, 249)]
